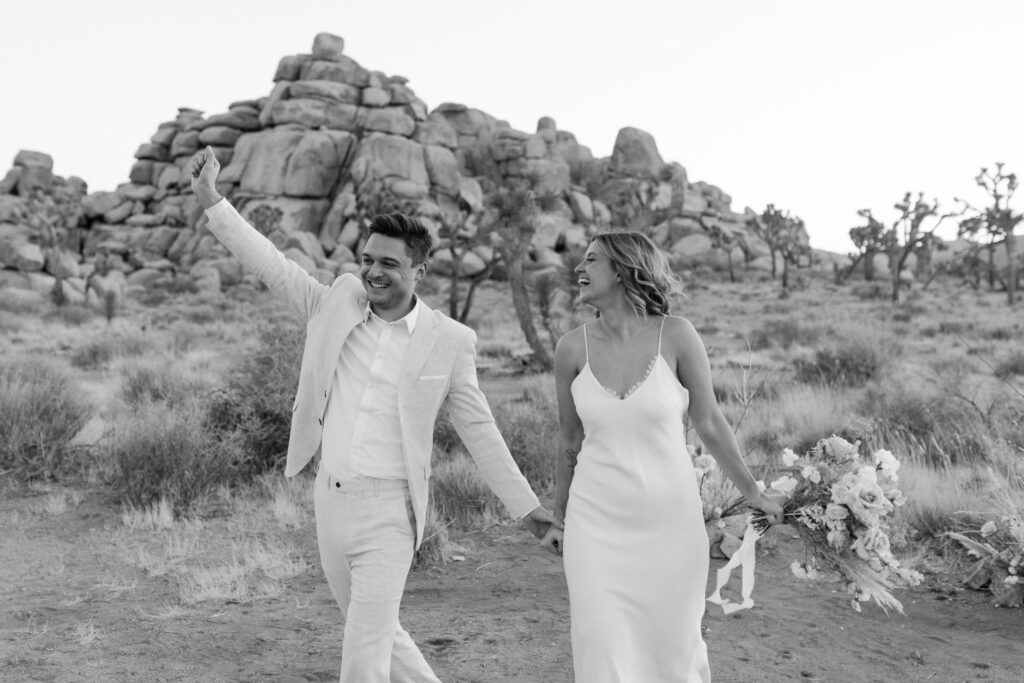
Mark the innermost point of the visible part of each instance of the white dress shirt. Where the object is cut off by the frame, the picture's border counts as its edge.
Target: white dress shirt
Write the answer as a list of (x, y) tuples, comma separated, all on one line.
[(362, 435)]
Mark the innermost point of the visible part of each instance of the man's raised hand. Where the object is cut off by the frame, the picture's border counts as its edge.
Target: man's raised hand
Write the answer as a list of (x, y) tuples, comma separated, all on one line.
[(205, 168)]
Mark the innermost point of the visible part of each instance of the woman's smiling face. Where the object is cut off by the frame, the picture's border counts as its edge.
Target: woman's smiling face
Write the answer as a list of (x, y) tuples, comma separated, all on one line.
[(596, 276)]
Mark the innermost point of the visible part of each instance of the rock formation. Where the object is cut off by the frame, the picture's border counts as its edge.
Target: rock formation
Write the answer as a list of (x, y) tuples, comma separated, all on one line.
[(332, 142)]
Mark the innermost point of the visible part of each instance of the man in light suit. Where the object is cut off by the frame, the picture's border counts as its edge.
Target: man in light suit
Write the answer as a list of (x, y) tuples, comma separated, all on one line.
[(378, 364)]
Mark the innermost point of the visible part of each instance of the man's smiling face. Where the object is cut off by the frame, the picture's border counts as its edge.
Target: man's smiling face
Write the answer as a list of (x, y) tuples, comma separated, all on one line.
[(389, 275)]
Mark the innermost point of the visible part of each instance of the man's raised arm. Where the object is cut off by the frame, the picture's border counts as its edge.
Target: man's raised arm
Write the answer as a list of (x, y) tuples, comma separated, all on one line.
[(258, 254)]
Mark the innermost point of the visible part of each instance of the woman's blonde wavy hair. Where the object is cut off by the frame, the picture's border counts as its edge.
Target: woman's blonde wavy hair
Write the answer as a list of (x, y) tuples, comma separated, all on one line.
[(643, 269)]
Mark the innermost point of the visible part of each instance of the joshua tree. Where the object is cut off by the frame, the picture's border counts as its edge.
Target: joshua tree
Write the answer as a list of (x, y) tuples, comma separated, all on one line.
[(869, 239), (784, 236), (908, 234), (462, 232), (998, 220), (512, 214)]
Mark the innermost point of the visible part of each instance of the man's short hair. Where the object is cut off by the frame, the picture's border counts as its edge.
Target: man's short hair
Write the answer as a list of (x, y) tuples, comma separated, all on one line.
[(418, 241)]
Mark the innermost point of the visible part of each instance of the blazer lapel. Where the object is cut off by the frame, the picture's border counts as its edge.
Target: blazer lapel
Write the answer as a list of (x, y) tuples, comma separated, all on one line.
[(420, 345)]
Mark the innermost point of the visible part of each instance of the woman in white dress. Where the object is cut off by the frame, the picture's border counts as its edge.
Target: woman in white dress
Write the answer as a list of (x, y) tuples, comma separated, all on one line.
[(634, 547)]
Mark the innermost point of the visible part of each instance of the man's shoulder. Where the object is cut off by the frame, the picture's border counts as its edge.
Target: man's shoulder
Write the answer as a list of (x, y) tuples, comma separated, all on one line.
[(448, 327)]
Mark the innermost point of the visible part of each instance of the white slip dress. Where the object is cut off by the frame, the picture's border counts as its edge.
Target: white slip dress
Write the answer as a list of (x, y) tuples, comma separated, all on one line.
[(636, 550)]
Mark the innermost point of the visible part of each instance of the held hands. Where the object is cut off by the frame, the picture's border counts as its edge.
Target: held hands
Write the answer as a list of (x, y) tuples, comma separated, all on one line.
[(554, 540), (540, 521), (205, 168)]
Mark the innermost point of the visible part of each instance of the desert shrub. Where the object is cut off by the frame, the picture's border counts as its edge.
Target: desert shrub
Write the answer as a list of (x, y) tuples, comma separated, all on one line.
[(158, 451), (40, 411), (161, 382), (98, 352), (256, 400), (930, 427), (783, 333), (72, 314), (850, 361), (954, 327), (1002, 333), (23, 301), (436, 547), (529, 425), (795, 417), (461, 495), (1011, 365)]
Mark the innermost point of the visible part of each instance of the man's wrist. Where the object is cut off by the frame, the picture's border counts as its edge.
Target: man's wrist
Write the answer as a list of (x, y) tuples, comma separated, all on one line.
[(208, 198)]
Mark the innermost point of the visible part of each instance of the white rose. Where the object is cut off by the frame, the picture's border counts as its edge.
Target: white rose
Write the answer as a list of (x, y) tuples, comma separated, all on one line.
[(789, 457), (988, 528), (811, 473), (785, 485)]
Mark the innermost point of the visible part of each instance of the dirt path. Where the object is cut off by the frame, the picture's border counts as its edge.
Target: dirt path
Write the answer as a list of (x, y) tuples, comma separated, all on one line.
[(72, 608)]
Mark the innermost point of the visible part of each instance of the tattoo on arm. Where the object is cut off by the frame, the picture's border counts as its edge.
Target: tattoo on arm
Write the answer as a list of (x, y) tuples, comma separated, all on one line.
[(571, 454)]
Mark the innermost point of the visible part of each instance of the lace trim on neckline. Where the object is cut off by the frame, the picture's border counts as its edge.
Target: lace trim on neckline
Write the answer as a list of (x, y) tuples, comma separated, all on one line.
[(636, 385)]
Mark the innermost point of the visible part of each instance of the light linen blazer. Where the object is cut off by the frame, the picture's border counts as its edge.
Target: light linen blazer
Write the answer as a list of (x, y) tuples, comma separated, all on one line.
[(439, 368)]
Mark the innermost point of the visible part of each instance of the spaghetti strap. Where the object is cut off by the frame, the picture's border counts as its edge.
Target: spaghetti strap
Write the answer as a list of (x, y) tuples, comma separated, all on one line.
[(586, 346), (660, 332)]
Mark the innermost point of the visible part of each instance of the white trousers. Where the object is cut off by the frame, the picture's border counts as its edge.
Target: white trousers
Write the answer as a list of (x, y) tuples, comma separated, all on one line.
[(365, 530)]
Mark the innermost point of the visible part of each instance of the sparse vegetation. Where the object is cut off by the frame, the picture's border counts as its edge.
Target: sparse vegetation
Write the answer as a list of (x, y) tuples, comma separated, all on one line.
[(41, 409)]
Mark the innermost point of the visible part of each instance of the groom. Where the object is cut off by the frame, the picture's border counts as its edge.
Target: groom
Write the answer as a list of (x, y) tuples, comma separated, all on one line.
[(378, 364)]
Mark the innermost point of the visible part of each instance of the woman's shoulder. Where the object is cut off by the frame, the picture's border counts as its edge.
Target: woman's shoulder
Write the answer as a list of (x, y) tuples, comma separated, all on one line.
[(572, 340), (679, 332)]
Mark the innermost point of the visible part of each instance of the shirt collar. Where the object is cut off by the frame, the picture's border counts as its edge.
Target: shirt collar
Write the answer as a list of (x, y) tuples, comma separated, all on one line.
[(409, 319)]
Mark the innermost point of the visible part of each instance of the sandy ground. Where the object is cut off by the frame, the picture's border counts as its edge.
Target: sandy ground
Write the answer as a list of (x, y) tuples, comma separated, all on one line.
[(72, 608)]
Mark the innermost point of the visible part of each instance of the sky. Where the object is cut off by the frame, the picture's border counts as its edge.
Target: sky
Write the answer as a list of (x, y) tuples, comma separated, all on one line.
[(821, 108)]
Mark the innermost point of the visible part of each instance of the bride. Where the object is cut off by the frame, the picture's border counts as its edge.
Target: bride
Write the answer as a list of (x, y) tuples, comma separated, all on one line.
[(634, 547)]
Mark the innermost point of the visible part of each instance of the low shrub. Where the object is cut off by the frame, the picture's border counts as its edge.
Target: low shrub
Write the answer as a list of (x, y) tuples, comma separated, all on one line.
[(40, 411), (72, 314), (1011, 365), (98, 352), (931, 427), (461, 495), (848, 362), (256, 401), (783, 333), (529, 425), (162, 382), (159, 451)]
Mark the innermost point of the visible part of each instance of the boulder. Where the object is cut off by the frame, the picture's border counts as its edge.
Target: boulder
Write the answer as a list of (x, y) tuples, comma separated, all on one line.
[(241, 118), (442, 169), (382, 156), (330, 91), (263, 161), (148, 150), (582, 206), (375, 97), (289, 68), (12, 209), (313, 166), (36, 171), (328, 46), (341, 69), (636, 154), (393, 120), (436, 131), (141, 172), (18, 252), (219, 136), (185, 144)]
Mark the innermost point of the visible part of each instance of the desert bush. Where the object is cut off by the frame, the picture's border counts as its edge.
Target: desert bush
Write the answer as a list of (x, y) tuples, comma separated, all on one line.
[(954, 327), (461, 495), (850, 361), (529, 425), (72, 314), (783, 333), (256, 401), (436, 547), (159, 451), (161, 382), (40, 411), (1011, 365), (98, 352), (795, 417), (22, 301), (931, 427)]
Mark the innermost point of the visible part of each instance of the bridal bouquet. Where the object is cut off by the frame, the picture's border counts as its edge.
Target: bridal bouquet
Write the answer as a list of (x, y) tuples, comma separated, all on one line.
[(840, 503)]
